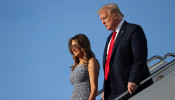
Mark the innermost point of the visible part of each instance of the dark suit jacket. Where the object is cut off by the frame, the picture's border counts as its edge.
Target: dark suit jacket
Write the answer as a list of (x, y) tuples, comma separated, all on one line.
[(128, 62)]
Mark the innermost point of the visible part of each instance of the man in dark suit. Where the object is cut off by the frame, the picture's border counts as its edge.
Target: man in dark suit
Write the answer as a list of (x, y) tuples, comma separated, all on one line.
[(125, 55)]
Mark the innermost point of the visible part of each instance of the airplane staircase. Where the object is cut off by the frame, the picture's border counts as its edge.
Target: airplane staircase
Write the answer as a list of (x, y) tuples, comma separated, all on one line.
[(163, 75)]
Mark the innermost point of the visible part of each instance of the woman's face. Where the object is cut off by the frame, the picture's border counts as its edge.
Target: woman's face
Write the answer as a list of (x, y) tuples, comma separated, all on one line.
[(76, 49)]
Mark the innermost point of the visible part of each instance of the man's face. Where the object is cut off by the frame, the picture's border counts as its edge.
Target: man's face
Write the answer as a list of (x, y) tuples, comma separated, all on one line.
[(107, 19)]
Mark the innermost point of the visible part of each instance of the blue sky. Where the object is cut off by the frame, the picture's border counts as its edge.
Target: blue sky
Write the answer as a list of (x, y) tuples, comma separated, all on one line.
[(34, 56)]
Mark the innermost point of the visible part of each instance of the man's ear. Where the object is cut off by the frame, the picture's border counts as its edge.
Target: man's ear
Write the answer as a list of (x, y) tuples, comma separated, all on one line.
[(116, 16)]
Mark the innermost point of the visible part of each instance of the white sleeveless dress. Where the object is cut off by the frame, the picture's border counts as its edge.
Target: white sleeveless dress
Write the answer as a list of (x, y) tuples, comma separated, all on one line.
[(80, 80)]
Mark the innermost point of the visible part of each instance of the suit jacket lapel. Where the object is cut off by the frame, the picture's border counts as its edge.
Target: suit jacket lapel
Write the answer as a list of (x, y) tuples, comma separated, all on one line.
[(105, 50), (120, 34)]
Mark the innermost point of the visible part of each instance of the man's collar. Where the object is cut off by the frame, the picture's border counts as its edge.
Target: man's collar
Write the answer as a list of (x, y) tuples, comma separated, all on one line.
[(119, 26)]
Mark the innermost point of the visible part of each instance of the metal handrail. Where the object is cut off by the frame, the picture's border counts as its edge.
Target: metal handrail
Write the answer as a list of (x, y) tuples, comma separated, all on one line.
[(162, 60), (155, 57), (169, 55), (99, 92), (155, 65), (150, 77)]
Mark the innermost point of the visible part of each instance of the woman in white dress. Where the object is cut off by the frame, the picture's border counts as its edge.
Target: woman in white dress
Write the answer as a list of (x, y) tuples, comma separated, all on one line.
[(85, 70)]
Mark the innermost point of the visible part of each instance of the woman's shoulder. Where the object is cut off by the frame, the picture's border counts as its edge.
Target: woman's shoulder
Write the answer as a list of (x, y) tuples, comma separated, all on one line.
[(92, 60), (94, 65)]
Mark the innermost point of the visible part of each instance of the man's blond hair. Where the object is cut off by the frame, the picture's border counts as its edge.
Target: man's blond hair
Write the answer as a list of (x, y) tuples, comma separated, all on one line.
[(113, 8)]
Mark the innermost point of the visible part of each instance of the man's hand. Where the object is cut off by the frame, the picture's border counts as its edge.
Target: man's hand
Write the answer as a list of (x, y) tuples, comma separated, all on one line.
[(131, 87)]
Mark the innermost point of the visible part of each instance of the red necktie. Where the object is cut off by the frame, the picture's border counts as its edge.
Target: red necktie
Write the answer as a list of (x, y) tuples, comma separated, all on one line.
[(109, 55)]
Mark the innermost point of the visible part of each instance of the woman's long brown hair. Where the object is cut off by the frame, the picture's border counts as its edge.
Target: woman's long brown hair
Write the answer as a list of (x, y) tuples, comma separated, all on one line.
[(84, 45)]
